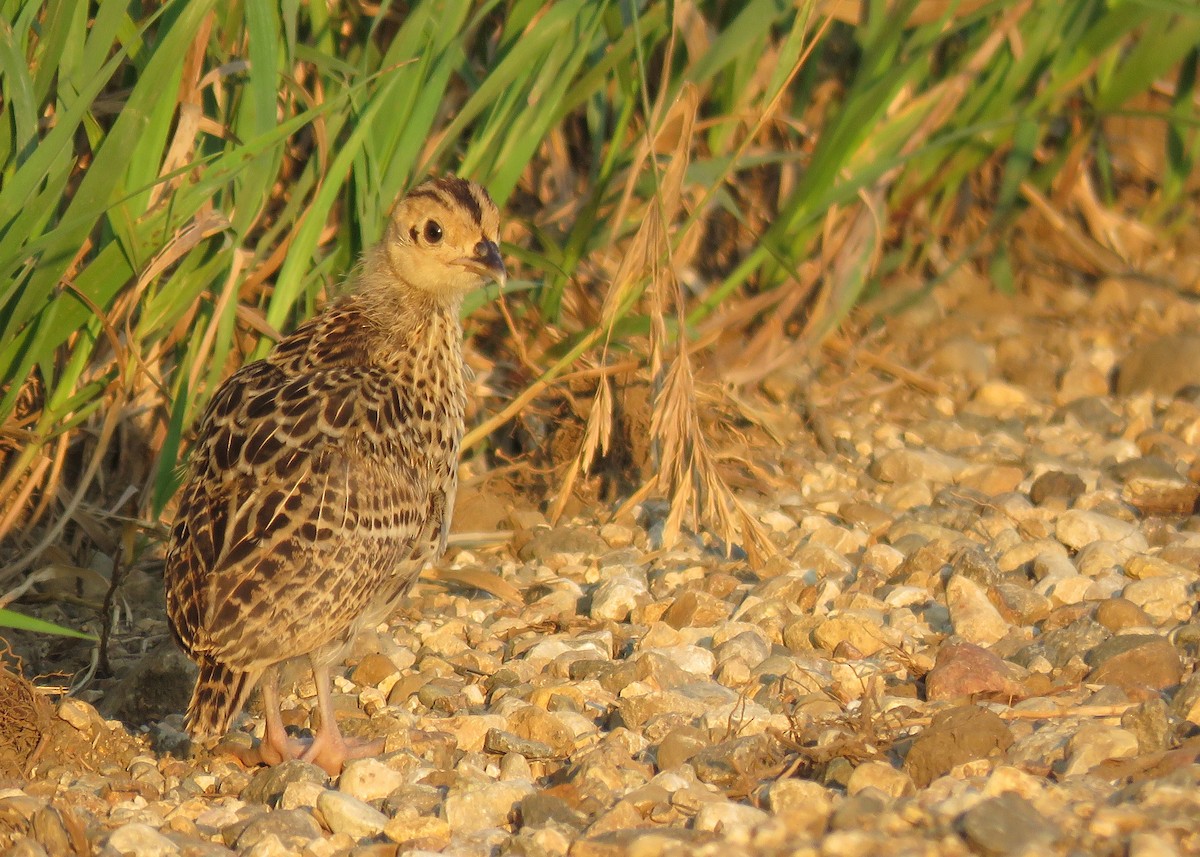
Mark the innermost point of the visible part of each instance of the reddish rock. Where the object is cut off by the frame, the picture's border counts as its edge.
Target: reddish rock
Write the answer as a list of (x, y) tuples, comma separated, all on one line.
[(964, 669)]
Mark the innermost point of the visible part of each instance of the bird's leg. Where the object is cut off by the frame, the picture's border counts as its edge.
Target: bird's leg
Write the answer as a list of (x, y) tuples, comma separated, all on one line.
[(276, 746), (329, 749)]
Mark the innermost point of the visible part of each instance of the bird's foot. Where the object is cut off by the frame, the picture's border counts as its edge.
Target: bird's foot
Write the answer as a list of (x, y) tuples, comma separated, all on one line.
[(330, 751), (266, 751)]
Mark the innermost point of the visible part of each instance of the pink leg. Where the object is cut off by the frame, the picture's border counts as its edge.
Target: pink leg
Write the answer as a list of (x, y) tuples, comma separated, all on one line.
[(329, 749), (276, 746)]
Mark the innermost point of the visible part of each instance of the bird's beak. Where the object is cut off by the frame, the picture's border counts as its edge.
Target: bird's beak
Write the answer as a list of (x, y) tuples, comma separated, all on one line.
[(486, 262)]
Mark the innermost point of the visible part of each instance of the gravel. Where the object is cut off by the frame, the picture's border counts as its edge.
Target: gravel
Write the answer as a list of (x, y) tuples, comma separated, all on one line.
[(979, 636)]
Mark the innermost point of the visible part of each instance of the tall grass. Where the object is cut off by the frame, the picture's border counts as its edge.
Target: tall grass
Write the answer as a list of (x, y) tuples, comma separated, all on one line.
[(180, 181)]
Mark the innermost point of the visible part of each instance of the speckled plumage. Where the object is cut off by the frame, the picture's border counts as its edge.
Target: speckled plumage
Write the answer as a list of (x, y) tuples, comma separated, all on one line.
[(323, 477)]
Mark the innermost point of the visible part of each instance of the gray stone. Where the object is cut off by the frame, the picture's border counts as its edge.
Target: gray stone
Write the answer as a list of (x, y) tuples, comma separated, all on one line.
[(1150, 723), (540, 809), (1007, 824), (1055, 485), (267, 785), (501, 742), (294, 828), (1163, 366), (972, 563), (1062, 644), (731, 763)]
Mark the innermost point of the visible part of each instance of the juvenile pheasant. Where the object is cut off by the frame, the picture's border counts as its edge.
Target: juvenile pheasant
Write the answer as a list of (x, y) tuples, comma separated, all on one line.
[(323, 477)]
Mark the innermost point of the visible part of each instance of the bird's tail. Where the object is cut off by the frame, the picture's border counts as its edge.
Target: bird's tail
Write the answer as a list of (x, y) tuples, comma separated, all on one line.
[(219, 695)]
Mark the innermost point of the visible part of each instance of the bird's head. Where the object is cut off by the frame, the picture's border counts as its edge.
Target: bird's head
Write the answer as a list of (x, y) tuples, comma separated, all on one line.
[(443, 238)]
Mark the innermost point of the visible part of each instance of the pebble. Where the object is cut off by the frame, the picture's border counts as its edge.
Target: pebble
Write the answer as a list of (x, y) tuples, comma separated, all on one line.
[(880, 777), (965, 669), (140, 840), (289, 828), (1007, 824), (347, 814), (267, 785), (1135, 660), (471, 807), (419, 833), (731, 819), (615, 598), (972, 615), (1078, 528), (1094, 743), (369, 779), (1163, 599), (1118, 614)]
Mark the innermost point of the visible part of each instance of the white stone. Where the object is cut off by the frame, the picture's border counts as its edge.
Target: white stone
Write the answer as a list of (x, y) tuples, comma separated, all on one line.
[(728, 818), (78, 713), (1077, 527), (346, 814), (778, 521), (475, 806), (616, 597), (972, 615), (1095, 743), (1163, 598), (301, 794), (141, 840), (693, 659), (881, 776), (369, 779), (1064, 590)]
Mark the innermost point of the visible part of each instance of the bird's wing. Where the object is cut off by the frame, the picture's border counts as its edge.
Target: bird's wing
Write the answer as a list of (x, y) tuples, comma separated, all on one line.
[(285, 467)]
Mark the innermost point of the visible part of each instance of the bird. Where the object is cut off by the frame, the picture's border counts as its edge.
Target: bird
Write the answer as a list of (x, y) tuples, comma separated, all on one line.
[(322, 477)]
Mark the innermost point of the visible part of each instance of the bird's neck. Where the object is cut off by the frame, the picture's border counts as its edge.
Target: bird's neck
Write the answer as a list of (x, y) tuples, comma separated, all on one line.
[(410, 326)]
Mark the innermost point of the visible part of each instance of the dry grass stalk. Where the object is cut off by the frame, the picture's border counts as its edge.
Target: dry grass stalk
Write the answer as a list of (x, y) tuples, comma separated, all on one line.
[(687, 471)]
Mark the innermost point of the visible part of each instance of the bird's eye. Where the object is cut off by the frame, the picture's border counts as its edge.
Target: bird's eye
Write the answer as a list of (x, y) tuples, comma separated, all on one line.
[(433, 231)]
